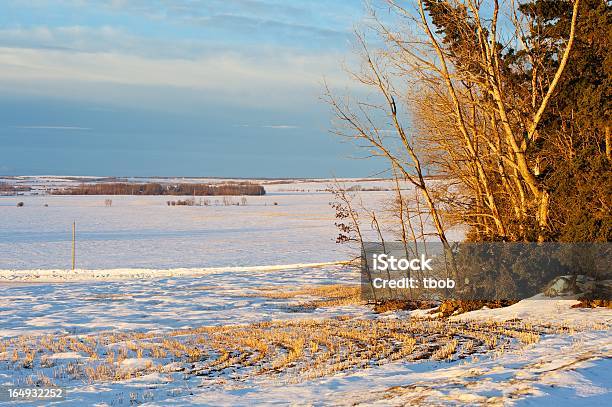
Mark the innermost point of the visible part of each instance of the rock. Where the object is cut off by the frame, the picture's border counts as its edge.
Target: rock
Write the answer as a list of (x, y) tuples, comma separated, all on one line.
[(563, 285), (579, 285)]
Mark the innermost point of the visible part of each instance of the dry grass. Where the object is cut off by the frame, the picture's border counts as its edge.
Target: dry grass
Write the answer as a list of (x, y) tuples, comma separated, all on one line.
[(330, 295), (290, 350), (593, 303), (403, 305), (446, 351), (325, 291)]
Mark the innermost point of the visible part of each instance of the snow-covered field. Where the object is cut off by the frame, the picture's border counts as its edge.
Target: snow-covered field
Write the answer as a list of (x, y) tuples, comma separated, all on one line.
[(292, 223), (223, 305), (566, 362), (222, 297), (144, 232)]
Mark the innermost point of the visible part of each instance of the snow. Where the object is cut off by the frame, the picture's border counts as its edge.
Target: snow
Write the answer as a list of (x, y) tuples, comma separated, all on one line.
[(522, 377), (144, 232), (137, 364), (66, 355), (561, 368), (57, 276), (543, 310), (163, 303), (145, 266)]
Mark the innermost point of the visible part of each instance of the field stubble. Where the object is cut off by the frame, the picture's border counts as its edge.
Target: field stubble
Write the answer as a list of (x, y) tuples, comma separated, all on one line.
[(283, 351)]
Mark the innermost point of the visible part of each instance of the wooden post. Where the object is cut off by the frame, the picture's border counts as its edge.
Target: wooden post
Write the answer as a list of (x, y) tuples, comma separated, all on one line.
[(73, 245)]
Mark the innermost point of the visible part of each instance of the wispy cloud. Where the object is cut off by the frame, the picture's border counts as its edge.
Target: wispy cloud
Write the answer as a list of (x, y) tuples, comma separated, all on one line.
[(270, 78), (270, 126), (184, 29), (254, 20), (53, 127), (103, 39), (280, 126), (270, 30), (245, 52)]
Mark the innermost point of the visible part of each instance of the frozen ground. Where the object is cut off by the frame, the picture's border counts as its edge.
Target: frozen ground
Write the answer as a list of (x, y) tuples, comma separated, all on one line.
[(157, 303), (144, 232), (158, 272), (566, 363)]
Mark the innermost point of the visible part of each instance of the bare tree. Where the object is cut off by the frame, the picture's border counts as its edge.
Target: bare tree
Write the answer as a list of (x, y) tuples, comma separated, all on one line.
[(357, 123), (442, 69)]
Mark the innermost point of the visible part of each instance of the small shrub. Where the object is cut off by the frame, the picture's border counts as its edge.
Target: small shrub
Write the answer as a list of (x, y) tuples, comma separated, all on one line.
[(588, 303)]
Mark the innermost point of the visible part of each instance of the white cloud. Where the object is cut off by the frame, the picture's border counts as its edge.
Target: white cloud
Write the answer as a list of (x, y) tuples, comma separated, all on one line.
[(268, 78), (53, 127), (270, 126), (74, 37)]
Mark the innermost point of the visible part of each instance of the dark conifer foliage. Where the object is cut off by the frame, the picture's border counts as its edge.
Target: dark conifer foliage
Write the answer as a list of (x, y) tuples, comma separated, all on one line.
[(572, 150)]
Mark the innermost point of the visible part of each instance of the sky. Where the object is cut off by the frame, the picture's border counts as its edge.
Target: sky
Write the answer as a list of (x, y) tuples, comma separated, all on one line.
[(228, 88)]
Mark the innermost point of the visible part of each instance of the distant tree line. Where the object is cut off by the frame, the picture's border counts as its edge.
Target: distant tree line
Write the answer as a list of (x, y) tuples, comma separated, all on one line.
[(9, 189), (120, 188)]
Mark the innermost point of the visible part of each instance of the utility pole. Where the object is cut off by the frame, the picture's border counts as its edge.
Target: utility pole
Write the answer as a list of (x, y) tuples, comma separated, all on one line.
[(73, 245)]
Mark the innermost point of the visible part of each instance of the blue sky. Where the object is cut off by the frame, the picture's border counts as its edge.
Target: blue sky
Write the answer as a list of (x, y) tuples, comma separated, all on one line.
[(174, 87)]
